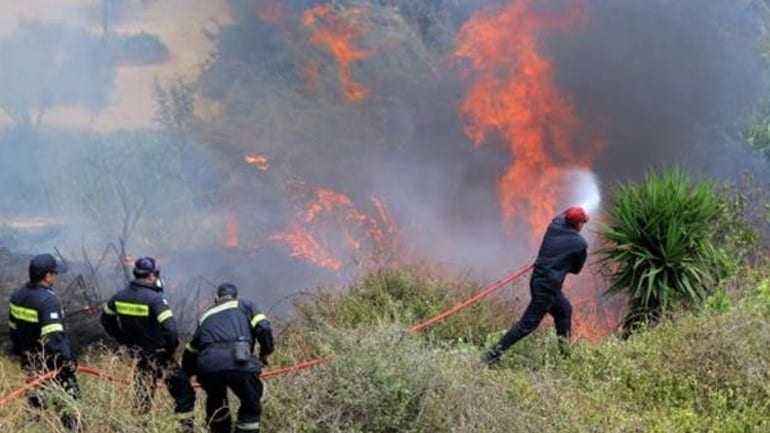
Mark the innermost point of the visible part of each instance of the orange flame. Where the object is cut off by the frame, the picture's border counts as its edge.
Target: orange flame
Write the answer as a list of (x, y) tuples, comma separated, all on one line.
[(515, 94), (259, 161), (303, 245), (231, 231), (595, 316), (334, 32), (330, 226)]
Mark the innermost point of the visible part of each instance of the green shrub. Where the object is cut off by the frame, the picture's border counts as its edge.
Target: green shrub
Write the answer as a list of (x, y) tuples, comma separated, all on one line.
[(408, 296), (660, 244)]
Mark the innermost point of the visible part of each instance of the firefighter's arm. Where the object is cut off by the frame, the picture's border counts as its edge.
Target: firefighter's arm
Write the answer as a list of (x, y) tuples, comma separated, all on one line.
[(263, 333), (578, 261), (162, 313), (15, 337), (52, 334), (190, 356), (109, 321)]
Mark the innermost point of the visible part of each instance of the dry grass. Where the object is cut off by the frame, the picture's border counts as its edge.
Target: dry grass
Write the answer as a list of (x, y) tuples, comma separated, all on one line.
[(708, 371)]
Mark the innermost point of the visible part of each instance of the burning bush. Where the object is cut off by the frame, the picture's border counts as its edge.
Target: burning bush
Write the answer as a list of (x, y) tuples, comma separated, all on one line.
[(661, 246)]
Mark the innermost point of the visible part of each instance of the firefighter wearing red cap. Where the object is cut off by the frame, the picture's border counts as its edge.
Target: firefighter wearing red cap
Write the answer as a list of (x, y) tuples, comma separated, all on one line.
[(36, 318), (140, 319), (563, 251)]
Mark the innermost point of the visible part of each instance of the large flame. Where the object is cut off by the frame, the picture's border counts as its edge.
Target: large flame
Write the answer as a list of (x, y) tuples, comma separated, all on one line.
[(515, 95), (334, 31), (330, 230)]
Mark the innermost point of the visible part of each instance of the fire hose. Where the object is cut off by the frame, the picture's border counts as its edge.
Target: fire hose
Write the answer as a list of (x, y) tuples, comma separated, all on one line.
[(304, 365)]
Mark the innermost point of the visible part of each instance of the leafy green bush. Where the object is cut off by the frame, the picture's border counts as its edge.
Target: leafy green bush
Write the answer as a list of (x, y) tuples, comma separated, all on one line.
[(408, 296), (660, 244)]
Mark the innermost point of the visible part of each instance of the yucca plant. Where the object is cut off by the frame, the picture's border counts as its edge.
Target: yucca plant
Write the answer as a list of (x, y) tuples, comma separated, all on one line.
[(659, 244)]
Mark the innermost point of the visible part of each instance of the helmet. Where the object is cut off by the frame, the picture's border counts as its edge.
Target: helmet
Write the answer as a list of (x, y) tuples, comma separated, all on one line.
[(227, 291), (43, 264), (576, 215), (146, 266)]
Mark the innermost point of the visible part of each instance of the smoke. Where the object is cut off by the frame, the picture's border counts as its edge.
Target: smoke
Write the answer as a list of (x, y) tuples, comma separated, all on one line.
[(660, 83)]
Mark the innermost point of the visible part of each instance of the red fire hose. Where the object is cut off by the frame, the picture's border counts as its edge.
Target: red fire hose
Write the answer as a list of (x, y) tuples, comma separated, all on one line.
[(481, 294), (472, 300), (20, 391)]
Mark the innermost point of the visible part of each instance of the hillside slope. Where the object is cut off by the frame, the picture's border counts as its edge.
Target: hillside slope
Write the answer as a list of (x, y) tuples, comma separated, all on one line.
[(706, 371)]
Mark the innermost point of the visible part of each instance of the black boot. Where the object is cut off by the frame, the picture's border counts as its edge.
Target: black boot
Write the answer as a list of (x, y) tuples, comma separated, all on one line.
[(492, 357), (186, 424)]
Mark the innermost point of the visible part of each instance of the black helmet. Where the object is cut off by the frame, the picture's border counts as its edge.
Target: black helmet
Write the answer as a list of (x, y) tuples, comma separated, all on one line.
[(146, 266), (227, 291), (43, 264)]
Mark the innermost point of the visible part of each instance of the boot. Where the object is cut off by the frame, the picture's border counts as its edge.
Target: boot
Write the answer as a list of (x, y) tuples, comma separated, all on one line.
[(492, 357), (187, 424), (247, 427), (72, 423)]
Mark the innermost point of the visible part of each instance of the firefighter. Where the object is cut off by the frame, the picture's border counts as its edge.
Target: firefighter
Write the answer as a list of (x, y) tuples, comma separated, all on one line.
[(221, 354), (140, 319), (563, 251), (37, 332)]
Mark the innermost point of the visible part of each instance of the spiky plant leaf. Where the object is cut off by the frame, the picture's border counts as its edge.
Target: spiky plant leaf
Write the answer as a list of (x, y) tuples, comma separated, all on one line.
[(659, 240)]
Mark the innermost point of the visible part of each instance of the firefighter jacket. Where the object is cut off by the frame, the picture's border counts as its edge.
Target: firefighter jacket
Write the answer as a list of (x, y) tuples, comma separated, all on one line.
[(563, 251), (212, 347), (35, 320), (139, 318)]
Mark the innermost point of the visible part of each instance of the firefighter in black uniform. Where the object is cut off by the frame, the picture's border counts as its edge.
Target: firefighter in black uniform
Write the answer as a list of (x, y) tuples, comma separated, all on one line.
[(37, 331), (563, 251), (221, 354), (140, 319)]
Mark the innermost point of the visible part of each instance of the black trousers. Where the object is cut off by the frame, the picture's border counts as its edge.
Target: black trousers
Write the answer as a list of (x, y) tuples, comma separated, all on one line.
[(545, 300), (149, 371), (246, 386)]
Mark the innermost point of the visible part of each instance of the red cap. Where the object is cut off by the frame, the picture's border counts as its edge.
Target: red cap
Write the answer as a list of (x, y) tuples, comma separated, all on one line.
[(576, 215)]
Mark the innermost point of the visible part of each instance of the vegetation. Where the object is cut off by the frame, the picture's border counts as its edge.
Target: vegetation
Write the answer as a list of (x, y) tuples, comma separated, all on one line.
[(705, 372), (660, 244)]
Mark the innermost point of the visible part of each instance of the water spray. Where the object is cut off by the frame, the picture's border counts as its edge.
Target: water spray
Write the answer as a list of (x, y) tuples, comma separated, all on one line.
[(586, 192)]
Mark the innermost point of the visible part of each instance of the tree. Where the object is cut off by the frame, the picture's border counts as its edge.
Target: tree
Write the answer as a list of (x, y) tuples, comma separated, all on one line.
[(49, 65)]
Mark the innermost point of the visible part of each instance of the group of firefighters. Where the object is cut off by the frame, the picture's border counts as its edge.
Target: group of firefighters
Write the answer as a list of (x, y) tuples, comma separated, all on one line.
[(221, 353)]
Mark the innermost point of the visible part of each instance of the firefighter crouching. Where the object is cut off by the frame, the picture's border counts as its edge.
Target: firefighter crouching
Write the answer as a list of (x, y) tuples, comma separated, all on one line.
[(37, 332), (221, 355), (139, 318), (563, 251)]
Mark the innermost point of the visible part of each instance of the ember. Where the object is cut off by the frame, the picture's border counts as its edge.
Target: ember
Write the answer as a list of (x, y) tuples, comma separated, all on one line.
[(231, 232), (259, 161)]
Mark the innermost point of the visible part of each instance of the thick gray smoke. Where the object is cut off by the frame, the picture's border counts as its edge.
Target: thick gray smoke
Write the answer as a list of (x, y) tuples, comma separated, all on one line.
[(666, 82)]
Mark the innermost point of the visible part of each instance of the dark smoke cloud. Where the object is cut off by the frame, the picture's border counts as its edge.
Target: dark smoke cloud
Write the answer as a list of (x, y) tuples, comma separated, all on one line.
[(668, 81), (665, 81)]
